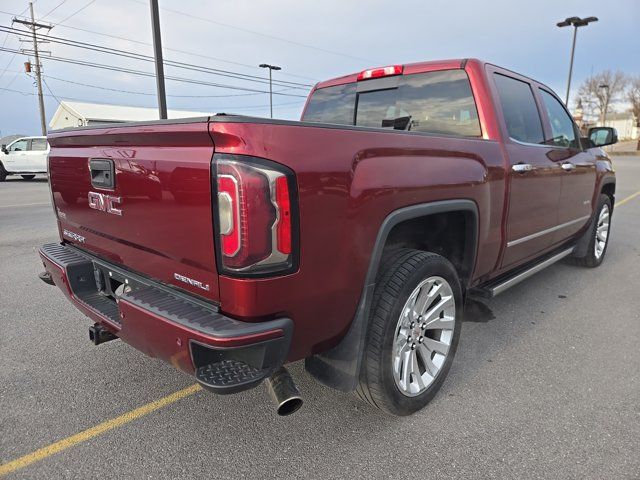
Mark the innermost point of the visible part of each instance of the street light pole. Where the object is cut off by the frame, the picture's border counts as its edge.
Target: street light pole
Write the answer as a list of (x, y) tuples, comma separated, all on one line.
[(576, 22), (157, 50), (271, 68)]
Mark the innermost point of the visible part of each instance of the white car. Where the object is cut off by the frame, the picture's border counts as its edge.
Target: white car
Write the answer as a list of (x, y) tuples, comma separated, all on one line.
[(25, 156)]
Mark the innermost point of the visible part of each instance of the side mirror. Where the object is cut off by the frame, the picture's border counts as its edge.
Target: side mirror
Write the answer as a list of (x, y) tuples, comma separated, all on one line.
[(601, 136), (4, 149)]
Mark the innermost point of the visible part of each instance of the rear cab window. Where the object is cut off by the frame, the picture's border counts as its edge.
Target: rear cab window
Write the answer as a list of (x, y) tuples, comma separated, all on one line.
[(38, 144), (519, 109), (332, 105), (439, 102)]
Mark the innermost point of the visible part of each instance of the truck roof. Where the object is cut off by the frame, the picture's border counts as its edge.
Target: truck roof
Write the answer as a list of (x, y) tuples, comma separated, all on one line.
[(409, 68), (420, 67)]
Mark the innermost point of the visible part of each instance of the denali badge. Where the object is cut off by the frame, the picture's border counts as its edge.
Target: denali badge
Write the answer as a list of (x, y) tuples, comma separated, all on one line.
[(73, 236), (106, 203), (191, 281)]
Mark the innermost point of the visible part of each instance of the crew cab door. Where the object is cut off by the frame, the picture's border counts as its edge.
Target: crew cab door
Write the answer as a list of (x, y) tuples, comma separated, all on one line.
[(36, 159), (534, 176), (578, 179), (16, 160)]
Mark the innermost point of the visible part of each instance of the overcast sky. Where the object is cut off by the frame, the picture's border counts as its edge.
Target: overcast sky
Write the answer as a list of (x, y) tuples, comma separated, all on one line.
[(311, 41)]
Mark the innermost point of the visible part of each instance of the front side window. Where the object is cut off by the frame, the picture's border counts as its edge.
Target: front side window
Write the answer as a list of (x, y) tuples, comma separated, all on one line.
[(19, 146), (39, 144), (564, 134), (435, 102), (519, 109)]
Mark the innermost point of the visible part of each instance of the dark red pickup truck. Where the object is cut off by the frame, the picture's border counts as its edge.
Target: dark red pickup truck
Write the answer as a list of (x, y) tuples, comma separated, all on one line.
[(229, 246)]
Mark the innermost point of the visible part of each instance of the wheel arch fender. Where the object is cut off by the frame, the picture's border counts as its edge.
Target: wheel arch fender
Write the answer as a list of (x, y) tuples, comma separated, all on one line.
[(339, 367), (608, 187)]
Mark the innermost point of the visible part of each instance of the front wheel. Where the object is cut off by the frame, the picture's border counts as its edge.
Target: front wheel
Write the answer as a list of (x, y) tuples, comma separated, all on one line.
[(413, 331), (3, 173), (597, 235)]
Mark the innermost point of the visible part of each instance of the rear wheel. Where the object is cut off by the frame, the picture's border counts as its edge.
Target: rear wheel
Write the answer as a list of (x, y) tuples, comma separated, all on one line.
[(598, 235), (413, 333), (28, 177)]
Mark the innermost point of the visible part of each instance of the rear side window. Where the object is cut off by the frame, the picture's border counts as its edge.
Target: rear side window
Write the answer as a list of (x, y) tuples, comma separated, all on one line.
[(434, 102), (332, 105), (39, 144), (519, 109), (440, 102), (562, 129)]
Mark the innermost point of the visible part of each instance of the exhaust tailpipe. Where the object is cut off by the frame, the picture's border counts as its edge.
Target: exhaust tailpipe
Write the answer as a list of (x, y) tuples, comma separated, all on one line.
[(284, 393)]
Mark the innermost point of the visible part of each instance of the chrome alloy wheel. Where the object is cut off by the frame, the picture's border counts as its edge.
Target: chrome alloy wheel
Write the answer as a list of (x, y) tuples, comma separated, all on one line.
[(602, 231), (423, 336)]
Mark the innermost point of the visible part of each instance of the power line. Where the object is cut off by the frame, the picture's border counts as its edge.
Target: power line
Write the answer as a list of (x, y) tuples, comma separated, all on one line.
[(91, 2), (56, 98), (5, 42), (147, 58), (151, 94), (246, 30), (53, 10), (148, 74), (64, 97), (177, 50)]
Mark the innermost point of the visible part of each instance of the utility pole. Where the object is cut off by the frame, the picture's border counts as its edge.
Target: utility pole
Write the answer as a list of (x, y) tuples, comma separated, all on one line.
[(157, 50), (271, 68), (575, 22), (34, 26)]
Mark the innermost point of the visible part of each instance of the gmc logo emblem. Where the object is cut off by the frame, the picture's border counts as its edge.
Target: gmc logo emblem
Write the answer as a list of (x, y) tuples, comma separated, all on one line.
[(105, 203)]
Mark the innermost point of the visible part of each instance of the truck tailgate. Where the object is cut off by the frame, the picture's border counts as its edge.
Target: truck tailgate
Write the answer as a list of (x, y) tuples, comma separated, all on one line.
[(156, 217)]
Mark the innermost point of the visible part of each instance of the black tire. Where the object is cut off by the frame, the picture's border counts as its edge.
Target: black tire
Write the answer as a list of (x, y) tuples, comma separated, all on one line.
[(3, 173), (28, 177), (589, 258), (401, 272)]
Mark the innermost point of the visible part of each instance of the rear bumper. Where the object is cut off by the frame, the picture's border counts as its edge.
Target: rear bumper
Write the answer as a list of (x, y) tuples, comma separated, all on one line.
[(224, 354)]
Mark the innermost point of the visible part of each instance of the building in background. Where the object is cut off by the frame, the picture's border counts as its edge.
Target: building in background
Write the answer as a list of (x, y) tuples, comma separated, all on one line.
[(80, 114), (625, 123)]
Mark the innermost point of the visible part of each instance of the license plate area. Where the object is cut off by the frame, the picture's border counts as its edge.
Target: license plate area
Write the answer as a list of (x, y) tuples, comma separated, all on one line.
[(112, 283)]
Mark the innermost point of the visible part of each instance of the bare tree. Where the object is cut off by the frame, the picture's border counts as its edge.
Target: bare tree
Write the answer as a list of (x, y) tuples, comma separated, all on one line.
[(600, 91), (633, 97)]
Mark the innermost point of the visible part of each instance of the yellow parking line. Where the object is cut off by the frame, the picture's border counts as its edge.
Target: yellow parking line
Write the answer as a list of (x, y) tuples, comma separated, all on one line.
[(125, 418), (625, 200), (99, 429)]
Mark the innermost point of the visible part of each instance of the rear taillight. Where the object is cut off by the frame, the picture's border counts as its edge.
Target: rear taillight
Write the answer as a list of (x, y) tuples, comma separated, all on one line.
[(254, 218)]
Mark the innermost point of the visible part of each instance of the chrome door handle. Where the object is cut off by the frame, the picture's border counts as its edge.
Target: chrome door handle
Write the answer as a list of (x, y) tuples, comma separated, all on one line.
[(568, 166), (522, 167)]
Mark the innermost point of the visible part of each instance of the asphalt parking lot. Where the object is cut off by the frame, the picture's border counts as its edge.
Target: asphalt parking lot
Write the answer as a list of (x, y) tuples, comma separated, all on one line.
[(546, 384)]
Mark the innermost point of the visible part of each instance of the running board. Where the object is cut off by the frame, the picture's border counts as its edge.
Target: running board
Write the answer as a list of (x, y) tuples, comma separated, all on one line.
[(499, 286)]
